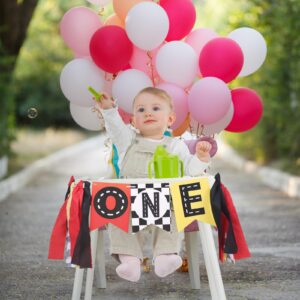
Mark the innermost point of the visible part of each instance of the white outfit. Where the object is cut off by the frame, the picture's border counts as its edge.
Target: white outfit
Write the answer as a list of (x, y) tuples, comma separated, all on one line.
[(123, 136), (135, 152)]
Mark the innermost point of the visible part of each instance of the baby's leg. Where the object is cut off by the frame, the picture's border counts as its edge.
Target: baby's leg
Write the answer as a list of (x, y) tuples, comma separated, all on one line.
[(126, 248), (166, 246)]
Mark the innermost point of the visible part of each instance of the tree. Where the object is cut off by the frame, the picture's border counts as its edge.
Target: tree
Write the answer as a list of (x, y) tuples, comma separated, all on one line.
[(15, 16)]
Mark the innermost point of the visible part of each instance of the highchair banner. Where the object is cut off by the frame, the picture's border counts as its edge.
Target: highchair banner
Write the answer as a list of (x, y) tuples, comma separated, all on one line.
[(149, 202), (144, 201)]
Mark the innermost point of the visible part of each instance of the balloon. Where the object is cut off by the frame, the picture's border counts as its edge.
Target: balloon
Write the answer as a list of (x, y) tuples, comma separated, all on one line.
[(121, 7), (86, 117), (221, 124), (76, 77), (99, 2), (248, 109), (127, 85), (180, 104), (198, 39), (126, 117), (77, 27), (192, 144), (209, 100), (114, 20), (221, 58), (110, 48), (176, 62), (253, 46), (182, 17), (141, 60), (147, 25), (182, 127)]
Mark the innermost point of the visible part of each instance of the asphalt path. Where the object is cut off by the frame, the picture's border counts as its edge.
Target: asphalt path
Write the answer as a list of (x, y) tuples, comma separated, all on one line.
[(270, 221)]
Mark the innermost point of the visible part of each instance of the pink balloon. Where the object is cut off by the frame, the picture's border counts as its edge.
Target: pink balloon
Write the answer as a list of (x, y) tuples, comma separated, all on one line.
[(199, 38), (110, 48), (77, 27), (209, 100), (180, 103), (182, 17), (248, 109), (141, 59), (222, 58), (126, 117)]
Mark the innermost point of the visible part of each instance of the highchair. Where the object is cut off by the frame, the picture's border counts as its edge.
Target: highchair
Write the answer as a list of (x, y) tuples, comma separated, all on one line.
[(163, 165)]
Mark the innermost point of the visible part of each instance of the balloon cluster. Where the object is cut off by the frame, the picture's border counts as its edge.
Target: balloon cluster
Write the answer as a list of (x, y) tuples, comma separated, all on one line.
[(151, 43)]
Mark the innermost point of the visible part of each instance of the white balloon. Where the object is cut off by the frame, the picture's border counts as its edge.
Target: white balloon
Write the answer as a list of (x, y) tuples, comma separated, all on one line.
[(220, 125), (177, 62), (99, 2), (147, 25), (75, 79), (253, 46), (86, 117), (127, 85)]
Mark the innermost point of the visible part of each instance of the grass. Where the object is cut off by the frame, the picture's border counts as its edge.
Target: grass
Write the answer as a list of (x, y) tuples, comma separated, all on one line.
[(249, 149), (33, 144)]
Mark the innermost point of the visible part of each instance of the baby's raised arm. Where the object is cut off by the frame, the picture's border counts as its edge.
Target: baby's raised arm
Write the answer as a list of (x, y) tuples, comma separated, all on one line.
[(116, 129)]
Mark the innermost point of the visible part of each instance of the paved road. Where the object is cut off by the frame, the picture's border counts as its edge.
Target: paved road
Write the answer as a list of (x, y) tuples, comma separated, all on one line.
[(270, 220)]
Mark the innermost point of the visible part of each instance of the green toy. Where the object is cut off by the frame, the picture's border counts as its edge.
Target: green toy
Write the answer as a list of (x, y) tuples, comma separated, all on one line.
[(165, 165), (95, 93)]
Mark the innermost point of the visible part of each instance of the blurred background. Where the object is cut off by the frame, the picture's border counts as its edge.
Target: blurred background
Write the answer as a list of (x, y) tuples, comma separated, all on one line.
[(34, 115)]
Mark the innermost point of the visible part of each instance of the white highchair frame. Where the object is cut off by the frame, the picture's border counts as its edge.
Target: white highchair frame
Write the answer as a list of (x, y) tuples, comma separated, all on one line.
[(191, 239)]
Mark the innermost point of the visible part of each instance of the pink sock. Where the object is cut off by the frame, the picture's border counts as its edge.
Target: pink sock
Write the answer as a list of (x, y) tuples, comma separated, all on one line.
[(130, 267), (166, 264)]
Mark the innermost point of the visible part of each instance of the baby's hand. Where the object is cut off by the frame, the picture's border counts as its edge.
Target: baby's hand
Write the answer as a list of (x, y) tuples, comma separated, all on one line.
[(202, 150), (105, 102)]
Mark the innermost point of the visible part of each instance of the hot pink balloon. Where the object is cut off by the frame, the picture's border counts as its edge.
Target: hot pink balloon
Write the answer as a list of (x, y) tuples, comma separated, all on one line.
[(110, 48), (248, 109), (198, 38), (77, 27), (180, 103), (141, 60), (222, 58), (209, 100), (182, 17), (126, 117)]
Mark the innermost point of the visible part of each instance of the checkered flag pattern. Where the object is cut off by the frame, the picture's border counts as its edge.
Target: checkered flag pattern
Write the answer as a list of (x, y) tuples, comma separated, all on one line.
[(150, 204)]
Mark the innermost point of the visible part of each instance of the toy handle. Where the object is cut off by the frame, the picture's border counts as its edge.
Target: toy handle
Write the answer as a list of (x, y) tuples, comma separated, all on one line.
[(95, 93), (150, 168), (181, 168)]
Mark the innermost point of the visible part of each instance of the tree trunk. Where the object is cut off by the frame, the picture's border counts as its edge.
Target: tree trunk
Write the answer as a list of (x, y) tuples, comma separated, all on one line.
[(15, 16)]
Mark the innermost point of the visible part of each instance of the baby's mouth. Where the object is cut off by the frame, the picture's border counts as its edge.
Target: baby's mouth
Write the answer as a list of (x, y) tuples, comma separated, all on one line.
[(149, 121)]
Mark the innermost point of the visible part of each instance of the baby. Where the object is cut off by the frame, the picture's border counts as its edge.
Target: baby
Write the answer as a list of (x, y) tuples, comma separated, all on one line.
[(152, 115)]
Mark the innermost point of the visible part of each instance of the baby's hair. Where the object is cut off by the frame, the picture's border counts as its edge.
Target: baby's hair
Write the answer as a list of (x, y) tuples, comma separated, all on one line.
[(157, 92)]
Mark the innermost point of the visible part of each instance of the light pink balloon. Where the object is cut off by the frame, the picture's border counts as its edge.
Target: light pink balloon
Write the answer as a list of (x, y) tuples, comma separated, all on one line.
[(180, 103), (140, 60), (209, 100), (198, 38), (77, 27), (221, 124)]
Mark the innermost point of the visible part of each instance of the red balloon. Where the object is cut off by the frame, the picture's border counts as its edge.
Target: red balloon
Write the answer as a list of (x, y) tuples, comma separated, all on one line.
[(126, 117), (248, 109), (110, 48), (222, 58), (182, 17)]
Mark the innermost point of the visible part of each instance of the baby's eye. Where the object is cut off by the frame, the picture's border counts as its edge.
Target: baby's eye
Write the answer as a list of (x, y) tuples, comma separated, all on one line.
[(141, 109), (156, 108)]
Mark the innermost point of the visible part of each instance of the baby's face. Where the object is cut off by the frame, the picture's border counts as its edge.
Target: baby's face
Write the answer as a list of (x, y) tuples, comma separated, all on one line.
[(152, 115)]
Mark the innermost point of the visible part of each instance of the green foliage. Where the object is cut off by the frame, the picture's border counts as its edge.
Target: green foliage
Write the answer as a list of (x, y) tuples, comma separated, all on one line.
[(41, 61)]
